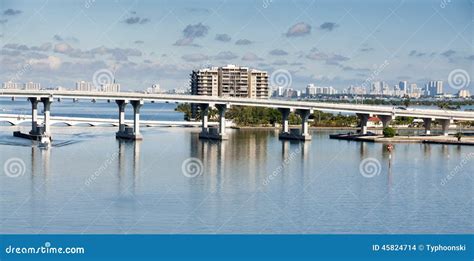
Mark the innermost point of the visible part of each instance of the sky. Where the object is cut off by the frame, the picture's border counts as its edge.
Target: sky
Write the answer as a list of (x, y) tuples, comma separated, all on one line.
[(327, 43)]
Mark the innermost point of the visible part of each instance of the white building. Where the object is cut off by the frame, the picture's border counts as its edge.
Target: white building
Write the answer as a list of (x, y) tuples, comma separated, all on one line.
[(310, 90), (403, 85), (32, 86), (110, 87), (155, 88), (464, 94), (84, 86), (10, 85), (230, 81), (435, 88)]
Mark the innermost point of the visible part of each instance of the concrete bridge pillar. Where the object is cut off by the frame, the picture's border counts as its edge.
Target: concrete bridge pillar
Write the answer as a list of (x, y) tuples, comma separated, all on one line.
[(427, 123), (121, 104), (295, 134), (445, 126), (129, 133), (136, 118), (47, 114), (34, 115), (386, 119), (204, 117), (304, 114), (222, 109), (364, 118), (285, 113), (213, 133)]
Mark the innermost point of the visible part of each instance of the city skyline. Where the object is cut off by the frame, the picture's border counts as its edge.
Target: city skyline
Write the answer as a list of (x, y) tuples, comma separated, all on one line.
[(325, 43)]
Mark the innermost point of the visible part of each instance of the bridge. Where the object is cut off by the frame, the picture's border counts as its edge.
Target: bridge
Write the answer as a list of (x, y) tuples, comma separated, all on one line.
[(20, 119), (302, 108)]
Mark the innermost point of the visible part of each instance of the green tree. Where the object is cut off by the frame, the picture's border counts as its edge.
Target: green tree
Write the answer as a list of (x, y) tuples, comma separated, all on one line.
[(389, 132)]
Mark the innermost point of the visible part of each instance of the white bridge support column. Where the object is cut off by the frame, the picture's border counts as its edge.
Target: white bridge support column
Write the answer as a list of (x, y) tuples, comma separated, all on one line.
[(445, 126), (304, 114), (121, 104), (47, 114), (222, 109), (204, 117), (136, 118), (303, 134), (386, 119), (34, 115), (218, 133), (427, 124), (285, 113), (364, 118)]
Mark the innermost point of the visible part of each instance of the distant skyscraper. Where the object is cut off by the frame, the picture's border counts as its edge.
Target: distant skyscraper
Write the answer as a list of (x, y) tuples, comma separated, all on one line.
[(32, 86), (376, 88), (464, 94), (111, 87), (280, 91), (435, 88), (10, 85), (84, 86), (310, 90), (403, 85)]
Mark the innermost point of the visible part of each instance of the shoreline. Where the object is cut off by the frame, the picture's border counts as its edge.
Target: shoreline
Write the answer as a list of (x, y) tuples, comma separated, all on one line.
[(444, 140)]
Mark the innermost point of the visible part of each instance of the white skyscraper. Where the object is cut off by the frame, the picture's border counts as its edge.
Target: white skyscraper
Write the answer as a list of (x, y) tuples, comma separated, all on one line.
[(111, 87), (32, 86), (84, 86), (10, 85), (310, 90)]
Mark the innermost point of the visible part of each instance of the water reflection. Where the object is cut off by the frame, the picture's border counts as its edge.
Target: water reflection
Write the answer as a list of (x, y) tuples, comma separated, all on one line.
[(128, 166)]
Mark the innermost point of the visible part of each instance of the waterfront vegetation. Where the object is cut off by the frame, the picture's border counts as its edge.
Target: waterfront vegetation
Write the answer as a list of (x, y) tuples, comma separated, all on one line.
[(258, 116), (389, 132)]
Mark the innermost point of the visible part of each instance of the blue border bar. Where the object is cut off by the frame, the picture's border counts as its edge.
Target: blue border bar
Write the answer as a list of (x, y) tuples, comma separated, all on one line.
[(241, 247)]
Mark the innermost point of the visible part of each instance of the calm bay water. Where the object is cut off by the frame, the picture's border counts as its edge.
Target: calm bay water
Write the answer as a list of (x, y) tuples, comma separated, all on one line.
[(89, 182)]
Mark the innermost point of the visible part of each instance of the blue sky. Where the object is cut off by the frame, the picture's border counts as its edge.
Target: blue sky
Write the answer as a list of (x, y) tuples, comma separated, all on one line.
[(334, 43)]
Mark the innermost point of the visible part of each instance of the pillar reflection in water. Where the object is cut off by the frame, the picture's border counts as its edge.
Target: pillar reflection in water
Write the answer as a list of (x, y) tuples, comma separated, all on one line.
[(128, 165), (387, 154), (212, 155)]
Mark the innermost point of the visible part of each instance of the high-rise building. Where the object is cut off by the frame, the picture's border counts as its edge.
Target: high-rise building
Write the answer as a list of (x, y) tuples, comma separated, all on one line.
[(435, 88), (376, 88), (230, 81), (280, 90), (10, 85), (403, 85), (32, 86), (84, 86), (205, 82), (310, 90), (111, 87), (464, 93)]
